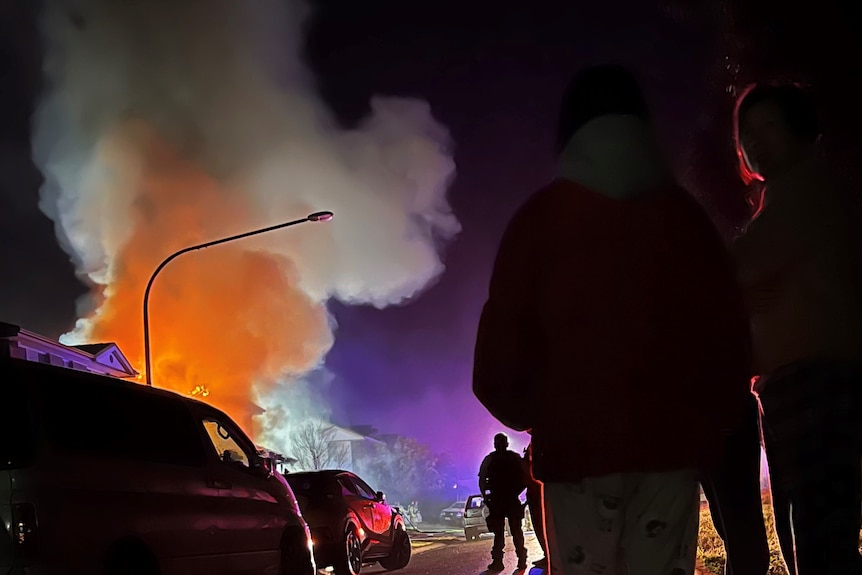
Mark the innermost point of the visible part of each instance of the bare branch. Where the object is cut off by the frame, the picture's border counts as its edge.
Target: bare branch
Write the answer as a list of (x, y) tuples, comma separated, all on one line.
[(315, 449)]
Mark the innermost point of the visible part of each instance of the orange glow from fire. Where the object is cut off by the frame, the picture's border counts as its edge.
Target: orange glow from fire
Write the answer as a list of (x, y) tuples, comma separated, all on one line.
[(221, 319)]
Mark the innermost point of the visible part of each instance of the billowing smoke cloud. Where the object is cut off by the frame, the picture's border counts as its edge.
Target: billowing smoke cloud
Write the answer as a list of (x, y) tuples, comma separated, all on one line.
[(172, 122), (292, 406)]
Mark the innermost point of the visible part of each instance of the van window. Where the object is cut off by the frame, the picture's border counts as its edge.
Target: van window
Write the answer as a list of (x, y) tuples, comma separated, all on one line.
[(16, 426), (100, 419), (226, 447)]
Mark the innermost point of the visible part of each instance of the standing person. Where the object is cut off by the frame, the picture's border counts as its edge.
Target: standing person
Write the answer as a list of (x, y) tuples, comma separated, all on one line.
[(732, 488), (797, 263), (534, 502), (614, 331), (501, 482)]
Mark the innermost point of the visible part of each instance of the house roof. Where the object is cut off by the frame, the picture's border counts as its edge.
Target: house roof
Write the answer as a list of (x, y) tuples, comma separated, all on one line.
[(94, 348), (107, 355), (344, 434)]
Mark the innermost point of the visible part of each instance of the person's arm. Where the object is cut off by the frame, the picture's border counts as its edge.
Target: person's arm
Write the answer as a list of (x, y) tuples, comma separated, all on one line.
[(483, 478), (484, 471), (505, 355)]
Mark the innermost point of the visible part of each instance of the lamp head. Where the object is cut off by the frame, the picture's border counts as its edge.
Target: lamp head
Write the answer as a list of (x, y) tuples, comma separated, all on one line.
[(320, 216)]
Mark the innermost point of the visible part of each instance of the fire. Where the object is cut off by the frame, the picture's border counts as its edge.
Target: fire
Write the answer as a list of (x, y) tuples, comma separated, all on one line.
[(222, 319), (200, 390)]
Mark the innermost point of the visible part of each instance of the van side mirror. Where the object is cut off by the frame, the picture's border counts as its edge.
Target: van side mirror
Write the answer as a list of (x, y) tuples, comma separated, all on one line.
[(381, 497)]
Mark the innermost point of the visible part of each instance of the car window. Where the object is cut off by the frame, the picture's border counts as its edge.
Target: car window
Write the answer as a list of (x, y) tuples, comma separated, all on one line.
[(111, 419), (226, 447), (363, 489), (348, 489), (312, 489), (475, 503)]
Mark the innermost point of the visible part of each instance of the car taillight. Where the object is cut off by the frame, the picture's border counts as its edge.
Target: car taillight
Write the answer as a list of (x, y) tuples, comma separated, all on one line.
[(25, 528)]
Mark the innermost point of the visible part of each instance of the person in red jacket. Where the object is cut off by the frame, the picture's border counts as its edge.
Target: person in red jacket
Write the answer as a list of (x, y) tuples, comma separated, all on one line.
[(615, 332)]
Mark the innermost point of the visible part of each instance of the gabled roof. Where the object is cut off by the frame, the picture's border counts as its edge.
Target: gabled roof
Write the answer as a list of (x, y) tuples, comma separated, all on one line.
[(344, 434), (106, 355), (109, 354), (94, 348)]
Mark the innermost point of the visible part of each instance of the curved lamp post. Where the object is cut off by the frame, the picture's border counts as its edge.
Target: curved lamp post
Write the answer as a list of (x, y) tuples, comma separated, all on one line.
[(315, 217)]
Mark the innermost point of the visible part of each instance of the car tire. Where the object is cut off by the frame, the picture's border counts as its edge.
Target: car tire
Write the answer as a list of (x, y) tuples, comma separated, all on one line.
[(296, 556), (401, 551), (471, 534), (350, 561)]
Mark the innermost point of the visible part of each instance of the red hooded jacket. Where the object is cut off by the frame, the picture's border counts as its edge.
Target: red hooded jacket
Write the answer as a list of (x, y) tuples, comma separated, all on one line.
[(615, 332)]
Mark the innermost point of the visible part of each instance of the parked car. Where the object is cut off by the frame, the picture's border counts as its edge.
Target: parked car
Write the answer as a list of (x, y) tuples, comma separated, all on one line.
[(101, 475), (475, 518), (454, 514), (475, 515), (351, 524)]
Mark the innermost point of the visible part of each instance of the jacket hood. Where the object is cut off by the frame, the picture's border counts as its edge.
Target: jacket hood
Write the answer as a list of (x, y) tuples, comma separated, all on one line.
[(616, 156)]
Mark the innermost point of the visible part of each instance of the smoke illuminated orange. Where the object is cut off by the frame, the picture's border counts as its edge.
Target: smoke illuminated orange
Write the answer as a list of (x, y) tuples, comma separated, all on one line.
[(221, 319)]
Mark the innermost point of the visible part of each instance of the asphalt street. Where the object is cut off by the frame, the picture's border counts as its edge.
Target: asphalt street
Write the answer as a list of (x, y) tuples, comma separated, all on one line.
[(451, 554), (448, 553)]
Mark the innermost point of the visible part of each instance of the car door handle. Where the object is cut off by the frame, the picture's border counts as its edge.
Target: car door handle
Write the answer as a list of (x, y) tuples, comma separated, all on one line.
[(216, 484)]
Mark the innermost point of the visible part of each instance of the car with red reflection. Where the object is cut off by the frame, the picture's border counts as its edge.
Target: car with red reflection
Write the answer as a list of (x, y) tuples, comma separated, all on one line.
[(102, 475), (351, 524)]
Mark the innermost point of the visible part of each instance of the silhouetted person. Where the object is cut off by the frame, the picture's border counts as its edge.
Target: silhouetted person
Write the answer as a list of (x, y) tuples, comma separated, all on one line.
[(501, 482), (732, 488), (797, 263), (615, 332), (534, 502)]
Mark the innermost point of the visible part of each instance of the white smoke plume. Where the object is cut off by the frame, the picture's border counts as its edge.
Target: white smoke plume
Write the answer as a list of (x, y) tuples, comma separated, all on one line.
[(167, 123)]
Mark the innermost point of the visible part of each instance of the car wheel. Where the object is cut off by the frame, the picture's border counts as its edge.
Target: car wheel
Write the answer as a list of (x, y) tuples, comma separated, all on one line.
[(351, 558), (399, 556), (296, 556)]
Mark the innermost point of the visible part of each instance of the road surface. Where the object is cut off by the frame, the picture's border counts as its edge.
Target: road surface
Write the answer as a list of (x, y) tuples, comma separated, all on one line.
[(451, 554)]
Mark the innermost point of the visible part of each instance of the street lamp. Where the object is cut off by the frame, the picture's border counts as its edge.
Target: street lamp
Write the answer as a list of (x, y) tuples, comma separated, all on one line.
[(315, 217)]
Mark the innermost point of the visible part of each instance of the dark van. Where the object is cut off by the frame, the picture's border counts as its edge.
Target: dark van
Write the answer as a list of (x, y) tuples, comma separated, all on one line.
[(104, 476)]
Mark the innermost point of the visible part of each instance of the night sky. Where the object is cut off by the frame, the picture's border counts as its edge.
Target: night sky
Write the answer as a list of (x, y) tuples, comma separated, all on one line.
[(493, 74)]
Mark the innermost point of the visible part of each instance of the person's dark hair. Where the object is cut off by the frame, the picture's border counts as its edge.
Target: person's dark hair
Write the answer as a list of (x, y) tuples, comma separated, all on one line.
[(501, 440), (598, 91), (795, 105)]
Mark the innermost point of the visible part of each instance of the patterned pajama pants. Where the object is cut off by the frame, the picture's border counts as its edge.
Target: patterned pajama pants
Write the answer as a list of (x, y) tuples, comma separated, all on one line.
[(812, 430), (630, 523)]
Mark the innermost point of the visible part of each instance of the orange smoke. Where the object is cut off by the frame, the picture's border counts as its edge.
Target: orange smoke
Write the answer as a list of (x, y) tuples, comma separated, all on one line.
[(222, 319)]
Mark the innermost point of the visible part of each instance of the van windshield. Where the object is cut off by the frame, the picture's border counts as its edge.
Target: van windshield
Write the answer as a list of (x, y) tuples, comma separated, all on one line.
[(16, 427)]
